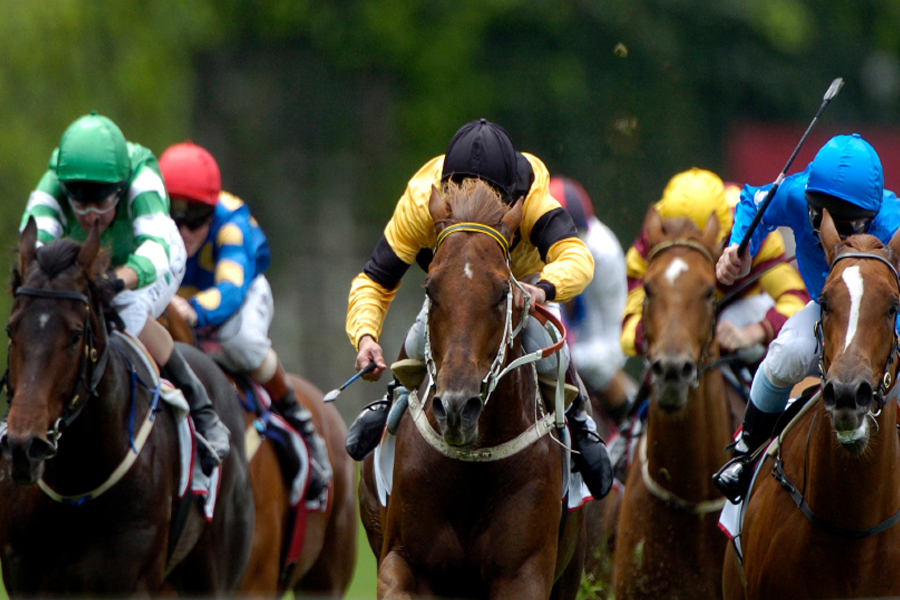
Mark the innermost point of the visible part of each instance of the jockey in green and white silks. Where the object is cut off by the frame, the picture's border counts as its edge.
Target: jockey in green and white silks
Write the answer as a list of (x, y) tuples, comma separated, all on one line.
[(98, 179)]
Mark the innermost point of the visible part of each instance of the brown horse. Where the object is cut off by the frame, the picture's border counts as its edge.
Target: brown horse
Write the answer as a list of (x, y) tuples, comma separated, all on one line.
[(470, 515), (824, 525), (328, 557), (668, 544), (106, 518)]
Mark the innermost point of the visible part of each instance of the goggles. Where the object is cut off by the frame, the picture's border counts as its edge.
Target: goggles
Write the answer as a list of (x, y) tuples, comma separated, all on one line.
[(845, 228), (87, 197), (191, 215), (192, 224)]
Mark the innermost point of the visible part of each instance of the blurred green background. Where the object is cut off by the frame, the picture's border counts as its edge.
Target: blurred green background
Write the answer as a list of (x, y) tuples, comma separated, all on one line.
[(319, 111)]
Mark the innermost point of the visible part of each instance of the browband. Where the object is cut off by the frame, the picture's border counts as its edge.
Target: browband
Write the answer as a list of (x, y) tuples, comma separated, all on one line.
[(477, 228)]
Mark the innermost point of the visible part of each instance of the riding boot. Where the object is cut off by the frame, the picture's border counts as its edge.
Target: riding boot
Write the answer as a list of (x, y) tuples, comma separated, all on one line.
[(213, 437), (364, 433), (592, 458), (733, 479), (300, 418)]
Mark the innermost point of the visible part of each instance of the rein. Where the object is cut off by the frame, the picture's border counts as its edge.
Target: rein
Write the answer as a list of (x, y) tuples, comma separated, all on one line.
[(699, 508), (92, 366)]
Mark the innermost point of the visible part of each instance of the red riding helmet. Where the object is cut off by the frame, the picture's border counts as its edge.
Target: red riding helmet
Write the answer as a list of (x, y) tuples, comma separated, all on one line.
[(572, 196), (191, 173)]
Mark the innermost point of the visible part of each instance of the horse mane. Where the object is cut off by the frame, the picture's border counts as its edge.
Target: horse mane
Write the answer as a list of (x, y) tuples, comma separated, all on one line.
[(473, 201)]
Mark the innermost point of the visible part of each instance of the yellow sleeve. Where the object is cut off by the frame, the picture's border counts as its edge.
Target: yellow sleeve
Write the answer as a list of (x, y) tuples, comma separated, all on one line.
[(569, 265), (411, 227), (634, 305), (782, 282), (367, 307)]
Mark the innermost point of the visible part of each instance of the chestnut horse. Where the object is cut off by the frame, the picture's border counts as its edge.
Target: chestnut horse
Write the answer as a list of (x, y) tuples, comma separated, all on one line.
[(328, 558), (84, 424), (668, 544), (472, 513), (825, 525)]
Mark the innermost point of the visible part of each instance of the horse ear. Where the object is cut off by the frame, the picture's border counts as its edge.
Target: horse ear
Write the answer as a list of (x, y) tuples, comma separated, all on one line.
[(437, 207), (653, 227), (894, 244), (27, 245), (513, 218), (90, 248), (829, 237), (711, 232)]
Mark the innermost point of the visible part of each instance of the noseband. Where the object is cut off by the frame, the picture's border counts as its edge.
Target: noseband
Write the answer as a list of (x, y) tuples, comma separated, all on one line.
[(887, 378), (92, 364)]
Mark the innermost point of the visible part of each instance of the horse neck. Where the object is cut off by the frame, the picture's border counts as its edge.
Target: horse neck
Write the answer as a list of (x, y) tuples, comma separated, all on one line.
[(689, 446), (853, 491)]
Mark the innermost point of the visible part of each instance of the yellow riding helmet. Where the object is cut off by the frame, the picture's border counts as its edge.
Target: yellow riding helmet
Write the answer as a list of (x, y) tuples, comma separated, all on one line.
[(696, 194)]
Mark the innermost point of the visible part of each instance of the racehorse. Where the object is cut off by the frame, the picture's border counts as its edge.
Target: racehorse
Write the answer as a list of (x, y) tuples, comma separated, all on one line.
[(327, 560), (824, 526), (472, 512), (668, 544), (105, 517)]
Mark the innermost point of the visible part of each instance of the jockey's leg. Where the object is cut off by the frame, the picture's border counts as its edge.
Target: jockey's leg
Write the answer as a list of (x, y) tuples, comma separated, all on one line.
[(792, 355), (590, 456), (271, 375), (213, 439)]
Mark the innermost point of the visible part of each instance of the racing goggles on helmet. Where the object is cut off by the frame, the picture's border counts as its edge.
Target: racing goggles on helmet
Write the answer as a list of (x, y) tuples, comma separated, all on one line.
[(191, 215), (845, 228), (92, 197)]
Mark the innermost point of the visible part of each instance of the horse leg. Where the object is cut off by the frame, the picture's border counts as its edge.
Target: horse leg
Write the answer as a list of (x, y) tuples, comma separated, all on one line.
[(569, 582), (533, 580), (396, 580)]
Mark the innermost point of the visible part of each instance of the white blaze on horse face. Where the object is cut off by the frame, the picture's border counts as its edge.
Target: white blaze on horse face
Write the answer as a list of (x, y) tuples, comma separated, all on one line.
[(854, 283), (42, 320), (468, 271), (675, 268)]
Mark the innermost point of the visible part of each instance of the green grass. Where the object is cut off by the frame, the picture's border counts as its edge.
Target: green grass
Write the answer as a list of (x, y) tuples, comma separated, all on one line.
[(365, 577)]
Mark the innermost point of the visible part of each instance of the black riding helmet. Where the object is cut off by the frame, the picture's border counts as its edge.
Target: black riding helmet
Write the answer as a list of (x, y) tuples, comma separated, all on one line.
[(483, 150)]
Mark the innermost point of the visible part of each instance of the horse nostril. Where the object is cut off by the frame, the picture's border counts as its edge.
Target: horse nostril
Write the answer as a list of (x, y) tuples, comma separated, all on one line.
[(472, 409), (437, 407), (38, 450), (656, 368), (688, 370), (864, 394)]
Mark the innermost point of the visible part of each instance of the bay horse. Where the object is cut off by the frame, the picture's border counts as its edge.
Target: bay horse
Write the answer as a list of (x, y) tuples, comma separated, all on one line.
[(327, 560), (824, 525), (89, 489), (667, 543), (469, 516)]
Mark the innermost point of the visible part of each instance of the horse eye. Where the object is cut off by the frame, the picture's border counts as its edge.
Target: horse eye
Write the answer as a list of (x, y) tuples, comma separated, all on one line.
[(648, 291), (710, 293), (76, 337), (892, 311), (823, 306), (503, 296)]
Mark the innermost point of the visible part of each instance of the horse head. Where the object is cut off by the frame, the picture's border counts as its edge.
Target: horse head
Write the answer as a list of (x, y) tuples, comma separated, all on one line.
[(859, 304), (679, 313), (469, 289), (51, 345)]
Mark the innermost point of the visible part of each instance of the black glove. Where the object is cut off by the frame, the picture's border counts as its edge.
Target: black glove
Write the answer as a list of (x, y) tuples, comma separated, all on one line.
[(110, 284)]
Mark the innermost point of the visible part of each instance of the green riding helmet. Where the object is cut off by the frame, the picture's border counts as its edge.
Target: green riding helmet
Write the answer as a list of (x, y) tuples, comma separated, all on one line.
[(93, 149)]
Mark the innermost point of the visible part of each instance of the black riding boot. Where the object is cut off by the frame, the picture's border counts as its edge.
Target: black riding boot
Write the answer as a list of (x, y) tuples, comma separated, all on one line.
[(213, 439), (364, 433), (733, 479), (299, 417), (592, 459)]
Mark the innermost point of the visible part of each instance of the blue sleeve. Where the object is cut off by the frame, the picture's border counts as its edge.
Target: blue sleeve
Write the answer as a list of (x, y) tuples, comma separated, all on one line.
[(234, 272), (786, 209)]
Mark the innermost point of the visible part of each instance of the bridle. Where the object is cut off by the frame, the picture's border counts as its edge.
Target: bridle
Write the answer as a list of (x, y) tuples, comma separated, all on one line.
[(704, 364), (92, 366), (887, 378)]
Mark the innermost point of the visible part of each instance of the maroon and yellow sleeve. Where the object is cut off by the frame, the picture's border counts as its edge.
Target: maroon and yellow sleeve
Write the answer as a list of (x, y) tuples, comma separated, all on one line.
[(632, 339), (781, 281)]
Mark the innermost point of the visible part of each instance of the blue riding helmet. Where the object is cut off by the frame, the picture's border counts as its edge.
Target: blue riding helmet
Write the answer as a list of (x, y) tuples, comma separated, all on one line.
[(848, 168)]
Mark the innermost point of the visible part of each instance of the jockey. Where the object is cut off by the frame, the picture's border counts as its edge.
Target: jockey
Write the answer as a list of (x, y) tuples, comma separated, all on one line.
[(758, 313), (593, 319), (547, 245), (846, 178), (225, 295), (96, 178)]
